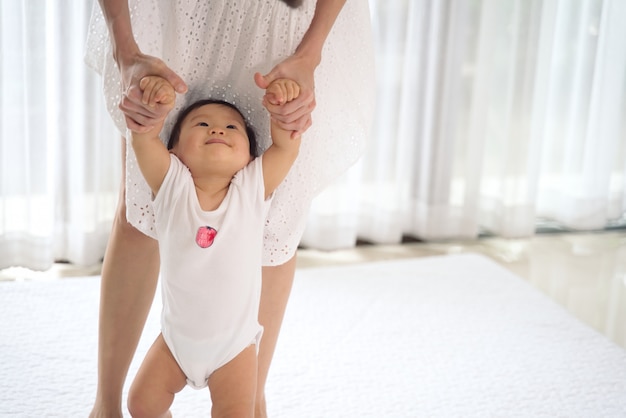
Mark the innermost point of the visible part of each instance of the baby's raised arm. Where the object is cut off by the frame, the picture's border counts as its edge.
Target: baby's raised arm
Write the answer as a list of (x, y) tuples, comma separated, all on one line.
[(280, 156), (153, 157)]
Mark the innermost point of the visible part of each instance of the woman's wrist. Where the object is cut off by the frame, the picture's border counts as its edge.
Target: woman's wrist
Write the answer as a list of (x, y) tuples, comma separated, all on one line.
[(312, 56), (124, 47), (310, 48), (125, 54)]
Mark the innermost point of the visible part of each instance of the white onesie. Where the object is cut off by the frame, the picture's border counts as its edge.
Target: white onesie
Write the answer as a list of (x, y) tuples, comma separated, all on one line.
[(210, 269)]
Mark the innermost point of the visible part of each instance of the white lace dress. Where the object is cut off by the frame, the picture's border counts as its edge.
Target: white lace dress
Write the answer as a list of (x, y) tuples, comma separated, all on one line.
[(216, 47)]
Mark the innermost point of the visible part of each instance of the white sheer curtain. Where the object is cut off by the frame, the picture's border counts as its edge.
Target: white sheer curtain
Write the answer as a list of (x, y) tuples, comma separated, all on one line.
[(490, 115), (59, 157)]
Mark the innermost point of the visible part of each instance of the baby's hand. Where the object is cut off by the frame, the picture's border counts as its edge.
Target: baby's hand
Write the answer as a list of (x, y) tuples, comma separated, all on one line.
[(282, 91), (157, 90)]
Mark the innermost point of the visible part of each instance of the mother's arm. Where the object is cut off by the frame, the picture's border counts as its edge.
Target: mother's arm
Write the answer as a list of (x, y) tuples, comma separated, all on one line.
[(300, 67), (141, 116)]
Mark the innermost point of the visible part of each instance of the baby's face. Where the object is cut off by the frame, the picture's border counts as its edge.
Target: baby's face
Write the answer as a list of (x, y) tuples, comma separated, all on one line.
[(213, 134)]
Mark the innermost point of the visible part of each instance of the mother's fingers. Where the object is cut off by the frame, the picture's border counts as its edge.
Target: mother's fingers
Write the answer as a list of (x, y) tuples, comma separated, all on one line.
[(297, 121), (298, 126), (136, 127), (140, 114), (135, 111), (291, 111), (307, 124), (136, 114)]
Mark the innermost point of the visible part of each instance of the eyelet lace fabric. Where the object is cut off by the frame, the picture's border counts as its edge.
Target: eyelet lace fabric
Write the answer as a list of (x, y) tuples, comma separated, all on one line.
[(216, 47)]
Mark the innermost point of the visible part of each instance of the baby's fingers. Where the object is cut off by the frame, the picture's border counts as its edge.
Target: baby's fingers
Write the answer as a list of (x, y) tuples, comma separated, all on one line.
[(275, 93), (148, 86), (165, 94), (292, 90), (156, 90), (282, 91)]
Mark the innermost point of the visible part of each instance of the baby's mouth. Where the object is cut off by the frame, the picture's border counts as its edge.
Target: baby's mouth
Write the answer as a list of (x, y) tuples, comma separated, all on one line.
[(215, 141)]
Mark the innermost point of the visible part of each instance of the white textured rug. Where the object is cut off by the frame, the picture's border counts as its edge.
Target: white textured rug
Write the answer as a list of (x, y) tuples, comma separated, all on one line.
[(450, 336)]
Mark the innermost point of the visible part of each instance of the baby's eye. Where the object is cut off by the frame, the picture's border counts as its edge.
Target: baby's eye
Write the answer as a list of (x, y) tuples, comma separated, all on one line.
[(231, 127), (203, 124)]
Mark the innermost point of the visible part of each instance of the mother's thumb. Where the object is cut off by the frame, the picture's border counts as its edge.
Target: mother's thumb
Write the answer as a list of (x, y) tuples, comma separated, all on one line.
[(261, 80), (176, 81)]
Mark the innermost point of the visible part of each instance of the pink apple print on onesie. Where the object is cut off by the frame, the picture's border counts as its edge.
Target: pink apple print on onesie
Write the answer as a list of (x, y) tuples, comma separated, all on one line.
[(205, 236)]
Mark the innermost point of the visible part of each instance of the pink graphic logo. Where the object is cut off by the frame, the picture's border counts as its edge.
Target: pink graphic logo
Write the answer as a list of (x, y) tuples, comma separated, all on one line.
[(205, 236)]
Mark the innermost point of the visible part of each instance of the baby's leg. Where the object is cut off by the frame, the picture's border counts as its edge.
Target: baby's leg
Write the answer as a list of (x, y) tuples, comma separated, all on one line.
[(159, 378), (233, 386)]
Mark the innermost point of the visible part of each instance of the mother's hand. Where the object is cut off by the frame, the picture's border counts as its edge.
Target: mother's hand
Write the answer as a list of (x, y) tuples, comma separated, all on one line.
[(142, 114), (296, 115)]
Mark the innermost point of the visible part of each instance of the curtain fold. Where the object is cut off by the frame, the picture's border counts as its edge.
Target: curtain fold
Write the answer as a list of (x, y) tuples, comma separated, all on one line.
[(60, 157), (490, 116)]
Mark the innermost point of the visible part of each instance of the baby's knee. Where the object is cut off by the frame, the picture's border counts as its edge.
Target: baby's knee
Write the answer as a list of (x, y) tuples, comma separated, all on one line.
[(141, 406), (234, 411), (137, 405)]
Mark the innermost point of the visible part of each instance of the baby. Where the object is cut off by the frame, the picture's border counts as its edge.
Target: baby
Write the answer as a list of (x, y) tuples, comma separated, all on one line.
[(211, 194)]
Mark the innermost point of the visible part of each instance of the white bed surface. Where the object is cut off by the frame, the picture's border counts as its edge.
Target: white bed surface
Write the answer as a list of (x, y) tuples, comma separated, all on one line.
[(447, 336)]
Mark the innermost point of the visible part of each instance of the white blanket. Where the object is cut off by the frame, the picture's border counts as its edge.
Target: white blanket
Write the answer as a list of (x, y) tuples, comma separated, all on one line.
[(449, 336)]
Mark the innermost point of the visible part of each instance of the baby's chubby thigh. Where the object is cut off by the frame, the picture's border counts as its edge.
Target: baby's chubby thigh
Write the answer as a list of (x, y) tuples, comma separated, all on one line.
[(159, 377), (233, 386)]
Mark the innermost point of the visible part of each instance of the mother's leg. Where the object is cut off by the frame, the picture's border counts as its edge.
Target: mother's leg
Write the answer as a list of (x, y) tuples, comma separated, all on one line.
[(129, 278), (277, 283)]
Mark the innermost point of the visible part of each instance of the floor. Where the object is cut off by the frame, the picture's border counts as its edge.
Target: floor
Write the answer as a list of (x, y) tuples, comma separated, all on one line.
[(584, 272), (437, 337)]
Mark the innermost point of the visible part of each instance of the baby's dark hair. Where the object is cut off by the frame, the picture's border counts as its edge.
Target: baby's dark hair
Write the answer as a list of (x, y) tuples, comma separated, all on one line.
[(293, 3), (175, 135)]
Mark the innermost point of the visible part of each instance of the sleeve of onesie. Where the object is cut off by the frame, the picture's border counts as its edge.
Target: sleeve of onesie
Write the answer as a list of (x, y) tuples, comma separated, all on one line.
[(250, 178), (174, 184)]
